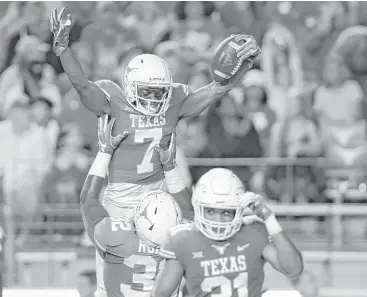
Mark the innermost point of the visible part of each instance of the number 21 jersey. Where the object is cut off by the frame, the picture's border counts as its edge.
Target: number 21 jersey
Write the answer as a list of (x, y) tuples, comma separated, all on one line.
[(230, 268), (135, 160)]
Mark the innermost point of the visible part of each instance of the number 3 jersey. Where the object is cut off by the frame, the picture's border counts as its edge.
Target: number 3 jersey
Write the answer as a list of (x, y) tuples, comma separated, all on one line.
[(135, 160), (130, 267), (230, 268)]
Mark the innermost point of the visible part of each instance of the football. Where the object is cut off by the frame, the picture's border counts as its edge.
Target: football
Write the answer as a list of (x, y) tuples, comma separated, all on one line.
[(225, 63)]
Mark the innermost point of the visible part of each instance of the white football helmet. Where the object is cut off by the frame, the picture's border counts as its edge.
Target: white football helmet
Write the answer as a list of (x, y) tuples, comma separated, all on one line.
[(155, 215), (148, 84), (219, 188)]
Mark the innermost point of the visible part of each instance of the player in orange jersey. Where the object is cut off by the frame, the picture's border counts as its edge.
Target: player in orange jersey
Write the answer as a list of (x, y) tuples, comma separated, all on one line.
[(129, 247), (148, 105), (217, 254)]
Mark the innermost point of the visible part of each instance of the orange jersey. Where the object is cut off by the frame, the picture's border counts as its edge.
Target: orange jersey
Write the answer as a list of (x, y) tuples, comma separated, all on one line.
[(129, 266), (135, 160), (230, 268)]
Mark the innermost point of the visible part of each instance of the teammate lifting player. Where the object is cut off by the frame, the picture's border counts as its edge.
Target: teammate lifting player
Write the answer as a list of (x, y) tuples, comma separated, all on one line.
[(128, 247), (217, 254), (148, 105)]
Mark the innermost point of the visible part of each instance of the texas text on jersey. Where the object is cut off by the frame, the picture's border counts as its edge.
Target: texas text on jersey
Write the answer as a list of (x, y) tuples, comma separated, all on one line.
[(141, 164), (230, 268)]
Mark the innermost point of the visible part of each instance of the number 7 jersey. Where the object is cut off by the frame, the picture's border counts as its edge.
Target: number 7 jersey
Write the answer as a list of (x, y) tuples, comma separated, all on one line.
[(230, 268), (135, 160)]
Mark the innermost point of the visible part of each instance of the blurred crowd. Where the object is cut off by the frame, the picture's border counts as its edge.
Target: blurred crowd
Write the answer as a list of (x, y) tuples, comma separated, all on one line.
[(304, 98)]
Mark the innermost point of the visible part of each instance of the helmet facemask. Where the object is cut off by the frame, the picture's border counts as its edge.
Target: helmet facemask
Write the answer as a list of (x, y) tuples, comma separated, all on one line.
[(150, 99), (217, 230)]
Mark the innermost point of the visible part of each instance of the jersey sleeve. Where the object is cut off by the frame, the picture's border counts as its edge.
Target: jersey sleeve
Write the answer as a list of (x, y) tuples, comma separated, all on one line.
[(116, 236), (105, 86), (111, 89), (92, 212)]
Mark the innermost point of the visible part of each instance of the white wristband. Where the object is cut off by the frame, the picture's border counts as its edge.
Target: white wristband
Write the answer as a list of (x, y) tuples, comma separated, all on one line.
[(272, 225), (100, 165), (173, 181)]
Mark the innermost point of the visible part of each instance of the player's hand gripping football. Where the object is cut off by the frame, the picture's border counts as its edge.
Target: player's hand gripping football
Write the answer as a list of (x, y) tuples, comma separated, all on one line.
[(249, 50), (168, 156), (246, 52), (106, 142), (60, 26), (256, 204)]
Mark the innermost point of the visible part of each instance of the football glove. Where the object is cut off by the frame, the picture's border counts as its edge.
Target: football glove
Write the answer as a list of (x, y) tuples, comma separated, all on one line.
[(60, 27), (106, 142), (168, 156), (257, 205)]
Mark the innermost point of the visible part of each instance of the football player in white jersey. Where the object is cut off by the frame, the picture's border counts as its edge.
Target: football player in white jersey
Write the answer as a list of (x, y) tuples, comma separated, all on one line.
[(129, 247)]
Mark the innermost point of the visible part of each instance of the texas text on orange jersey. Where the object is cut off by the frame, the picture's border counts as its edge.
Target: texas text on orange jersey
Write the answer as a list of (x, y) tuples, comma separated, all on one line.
[(231, 268), (140, 163)]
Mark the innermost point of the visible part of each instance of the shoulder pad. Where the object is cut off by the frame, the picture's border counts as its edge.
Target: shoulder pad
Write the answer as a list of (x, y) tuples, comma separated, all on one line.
[(109, 88), (111, 232), (187, 90)]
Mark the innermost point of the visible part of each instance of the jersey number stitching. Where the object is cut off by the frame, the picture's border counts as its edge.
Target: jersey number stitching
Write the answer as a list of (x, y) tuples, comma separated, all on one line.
[(144, 280), (225, 285), (117, 223), (140, 135)]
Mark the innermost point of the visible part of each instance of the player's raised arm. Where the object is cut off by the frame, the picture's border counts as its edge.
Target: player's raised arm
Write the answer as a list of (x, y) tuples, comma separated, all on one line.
[(175, 185), (281, 252), (91, 96), (91, 208), (202, 98)]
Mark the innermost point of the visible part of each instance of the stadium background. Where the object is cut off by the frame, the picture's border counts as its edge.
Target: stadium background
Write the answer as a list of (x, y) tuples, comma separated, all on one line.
[(295, 130)]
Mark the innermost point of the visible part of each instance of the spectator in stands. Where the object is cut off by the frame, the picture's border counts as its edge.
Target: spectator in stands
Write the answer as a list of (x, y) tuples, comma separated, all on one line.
[(24, 160), (255, 100), (33, 18), (339, 99), (231, 134), (243, 16), (200, 77), (295, 137), (338, 104), (42, 112), (351, 46), (170, 52), (10, 24), (29, 75), (199, 31), (192, 136), (152, 24), (65, 180), (108, 37), (282, 66), (86, 283)]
